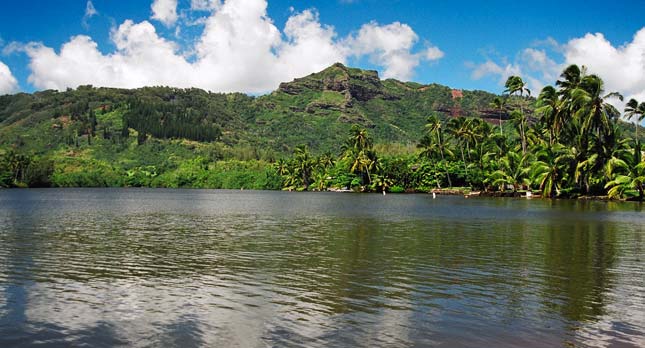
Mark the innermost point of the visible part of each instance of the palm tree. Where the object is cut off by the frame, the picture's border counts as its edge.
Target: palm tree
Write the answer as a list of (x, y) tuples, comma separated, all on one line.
[(628, 180), (381, 183), (520, 121), (549, 106), (571, 77), (515, 85), (320, 180), (325, 161), (635, 110), (282, 166), (304, 165), (513, 170), (483, 153), (550, 168), (361, 163), (434, 131), (499, 103), (592, 106), (585, 168), (570, 82), (459, 130), (430, 150), (359, 154), (359, 138)]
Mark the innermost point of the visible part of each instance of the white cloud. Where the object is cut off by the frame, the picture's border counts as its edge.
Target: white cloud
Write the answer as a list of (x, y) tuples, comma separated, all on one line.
[(621, 67), (240, 49), (8, 83), (204, 5), (489, 67), (433, 53), (391, 47), (164, 11), (310, 46), (142, 58)]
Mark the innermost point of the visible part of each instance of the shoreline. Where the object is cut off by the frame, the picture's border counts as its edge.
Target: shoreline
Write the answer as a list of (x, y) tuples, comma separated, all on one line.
[(463, 192)]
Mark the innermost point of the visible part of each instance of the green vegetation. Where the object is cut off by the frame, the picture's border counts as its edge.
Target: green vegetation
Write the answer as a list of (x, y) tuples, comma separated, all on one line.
[(402, 137), (572, 144)]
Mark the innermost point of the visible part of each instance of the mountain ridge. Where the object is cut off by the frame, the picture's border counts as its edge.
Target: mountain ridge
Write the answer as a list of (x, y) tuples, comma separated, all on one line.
[(315, 110)]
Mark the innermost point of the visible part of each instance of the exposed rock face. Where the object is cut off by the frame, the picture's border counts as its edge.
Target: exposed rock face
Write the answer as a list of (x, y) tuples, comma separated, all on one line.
[(361, 85)]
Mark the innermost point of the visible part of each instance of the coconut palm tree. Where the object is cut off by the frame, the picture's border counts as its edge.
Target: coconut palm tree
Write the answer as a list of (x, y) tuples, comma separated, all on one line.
[(361, 163), (381, 183), (519, 120), (549, 107), (459, 129), (282, 166), (435, 132), (325, 161), (483, 154), (320, 180), (628, 180), (358, 153), (304, 165), (635, 110), (571, 77), (515, 85), (513, 170), (592, 107), (359, 138), (550, 168), (499, 103)]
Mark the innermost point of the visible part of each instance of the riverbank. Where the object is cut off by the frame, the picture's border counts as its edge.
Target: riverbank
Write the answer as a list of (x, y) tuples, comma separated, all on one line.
[(460, 191)]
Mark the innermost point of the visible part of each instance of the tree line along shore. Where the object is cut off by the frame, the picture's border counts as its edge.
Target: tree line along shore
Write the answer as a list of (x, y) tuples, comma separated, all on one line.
[(568, 142)]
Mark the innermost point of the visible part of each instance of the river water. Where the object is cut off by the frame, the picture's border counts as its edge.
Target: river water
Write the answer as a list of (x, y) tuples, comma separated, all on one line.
[(188, 268)]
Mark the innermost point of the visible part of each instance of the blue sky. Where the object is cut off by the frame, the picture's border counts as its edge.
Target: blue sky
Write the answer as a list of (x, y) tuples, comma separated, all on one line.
[(481, 41)]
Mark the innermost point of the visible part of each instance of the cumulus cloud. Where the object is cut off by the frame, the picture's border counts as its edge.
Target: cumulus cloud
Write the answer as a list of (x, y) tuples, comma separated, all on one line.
[(491, 68), (164, 11), (240, 49), (8, 83), (391, 47), (622, 67), (204, 5), (310, 46), (141, 56)]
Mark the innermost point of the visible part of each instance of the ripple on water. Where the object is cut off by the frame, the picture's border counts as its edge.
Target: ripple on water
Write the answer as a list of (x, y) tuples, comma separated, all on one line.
[(217, 268)]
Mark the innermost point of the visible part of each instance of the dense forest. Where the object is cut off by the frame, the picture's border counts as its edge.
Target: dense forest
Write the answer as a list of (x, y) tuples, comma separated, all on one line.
[(341, 128)]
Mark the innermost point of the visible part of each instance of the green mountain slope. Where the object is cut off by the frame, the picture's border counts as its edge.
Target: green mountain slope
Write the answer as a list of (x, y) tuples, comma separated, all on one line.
[(316, 110)]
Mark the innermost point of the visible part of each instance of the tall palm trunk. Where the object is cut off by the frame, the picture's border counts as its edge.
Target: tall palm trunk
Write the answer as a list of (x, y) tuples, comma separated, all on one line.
[(463, 158), (443, 159), (522, 135), (501, 130), (305, 180), (637, 140)]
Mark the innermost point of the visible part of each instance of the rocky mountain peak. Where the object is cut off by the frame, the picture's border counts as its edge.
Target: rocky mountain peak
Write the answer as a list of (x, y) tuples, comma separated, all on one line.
[(355, 84)]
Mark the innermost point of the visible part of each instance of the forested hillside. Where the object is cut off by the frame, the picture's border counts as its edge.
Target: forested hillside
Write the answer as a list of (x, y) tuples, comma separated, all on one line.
[(169, 137), (92, 136), (316, 110)]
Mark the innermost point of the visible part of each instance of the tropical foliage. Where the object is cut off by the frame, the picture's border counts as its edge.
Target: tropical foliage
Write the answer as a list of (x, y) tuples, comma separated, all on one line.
[(342, 128)]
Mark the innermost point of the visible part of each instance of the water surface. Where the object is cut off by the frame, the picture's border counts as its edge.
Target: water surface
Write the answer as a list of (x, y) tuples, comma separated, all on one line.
[(135, 267)]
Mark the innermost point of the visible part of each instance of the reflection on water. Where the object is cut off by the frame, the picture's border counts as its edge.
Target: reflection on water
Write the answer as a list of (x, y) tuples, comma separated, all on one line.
[(252, 269)]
